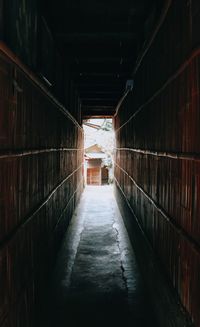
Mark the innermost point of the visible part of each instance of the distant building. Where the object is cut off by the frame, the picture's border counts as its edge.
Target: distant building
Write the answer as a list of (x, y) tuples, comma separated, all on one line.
[(96, 166)]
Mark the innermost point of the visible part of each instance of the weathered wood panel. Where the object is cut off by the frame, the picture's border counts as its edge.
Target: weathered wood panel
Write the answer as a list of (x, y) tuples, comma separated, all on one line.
[(41, 178), (158, 152)]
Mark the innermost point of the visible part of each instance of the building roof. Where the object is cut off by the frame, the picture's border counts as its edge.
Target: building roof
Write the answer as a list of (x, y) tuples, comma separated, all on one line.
[(95, 148), (95, 152)]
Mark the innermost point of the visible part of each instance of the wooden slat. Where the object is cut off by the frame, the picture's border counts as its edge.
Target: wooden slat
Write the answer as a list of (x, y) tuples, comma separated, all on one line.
[(41, 178), (158, 151)]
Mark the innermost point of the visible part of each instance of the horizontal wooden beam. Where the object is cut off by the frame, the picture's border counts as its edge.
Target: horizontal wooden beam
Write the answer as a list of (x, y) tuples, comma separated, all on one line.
[(88, 88), (104, 114), (98, 93), (101, 37), (93, 98), (120, 66), (114, 58), (97, 23), (99, 85), (98, 75), (97, 108), (101, 46), (99, 102)]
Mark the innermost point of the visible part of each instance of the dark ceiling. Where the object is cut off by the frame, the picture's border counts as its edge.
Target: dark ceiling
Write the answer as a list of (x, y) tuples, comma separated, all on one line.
[(100, 40)]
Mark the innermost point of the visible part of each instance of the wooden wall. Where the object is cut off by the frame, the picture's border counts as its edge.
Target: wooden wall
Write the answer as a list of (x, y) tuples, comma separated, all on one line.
[(157, 167), (21, 28), (41, 178)]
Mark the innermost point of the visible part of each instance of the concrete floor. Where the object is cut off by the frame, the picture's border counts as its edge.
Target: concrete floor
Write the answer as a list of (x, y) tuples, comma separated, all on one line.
[(96, 281)]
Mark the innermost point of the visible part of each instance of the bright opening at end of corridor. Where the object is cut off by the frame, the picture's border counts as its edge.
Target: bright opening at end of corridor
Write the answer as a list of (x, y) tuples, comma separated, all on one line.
[(99, 146)]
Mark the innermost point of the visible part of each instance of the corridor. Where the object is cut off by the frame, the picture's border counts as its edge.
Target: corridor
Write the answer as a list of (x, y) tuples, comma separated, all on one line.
[(62, 65), (96, 281)]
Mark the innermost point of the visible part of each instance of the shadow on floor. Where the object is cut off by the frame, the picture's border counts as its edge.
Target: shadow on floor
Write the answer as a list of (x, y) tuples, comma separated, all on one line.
[(96, 281)]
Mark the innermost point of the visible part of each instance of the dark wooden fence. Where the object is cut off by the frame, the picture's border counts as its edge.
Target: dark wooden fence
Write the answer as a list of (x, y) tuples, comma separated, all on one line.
[(41, 178), (158, 152)]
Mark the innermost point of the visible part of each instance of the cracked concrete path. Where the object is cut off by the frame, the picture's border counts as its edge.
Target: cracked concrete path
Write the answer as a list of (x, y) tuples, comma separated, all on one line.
[(96, 281)]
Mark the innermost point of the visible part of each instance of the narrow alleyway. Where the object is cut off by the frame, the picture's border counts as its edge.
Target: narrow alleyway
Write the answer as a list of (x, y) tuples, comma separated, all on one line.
[(65, 255), (96, 281)]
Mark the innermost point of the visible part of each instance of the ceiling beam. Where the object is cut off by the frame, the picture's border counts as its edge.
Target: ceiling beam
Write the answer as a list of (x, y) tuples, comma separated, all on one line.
[(99, 102), (116, 58), (94, 94), (97, 108), (114, 75), (76, 22), (96, 115), (101, 67), (98, 89), (100, 52), (100, 85), (101, 37), (97, 112), (104, 114)]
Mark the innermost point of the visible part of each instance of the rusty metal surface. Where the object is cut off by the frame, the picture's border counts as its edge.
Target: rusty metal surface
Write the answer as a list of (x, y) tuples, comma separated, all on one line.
[(158, 151), (41, 151)]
